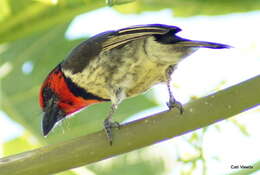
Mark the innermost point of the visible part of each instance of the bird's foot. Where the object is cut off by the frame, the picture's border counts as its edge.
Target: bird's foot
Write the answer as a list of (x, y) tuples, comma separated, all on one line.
[(175, 104), (108, 125)]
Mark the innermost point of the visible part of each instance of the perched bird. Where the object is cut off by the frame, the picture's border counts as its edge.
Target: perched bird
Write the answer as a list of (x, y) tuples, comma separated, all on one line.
[(112, 66)]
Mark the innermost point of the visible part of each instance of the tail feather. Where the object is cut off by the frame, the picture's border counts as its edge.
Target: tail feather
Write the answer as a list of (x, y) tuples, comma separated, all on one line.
[(203, 44)]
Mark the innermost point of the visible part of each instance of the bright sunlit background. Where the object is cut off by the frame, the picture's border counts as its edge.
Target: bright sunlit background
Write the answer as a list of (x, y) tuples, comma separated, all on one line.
[(203, 73)]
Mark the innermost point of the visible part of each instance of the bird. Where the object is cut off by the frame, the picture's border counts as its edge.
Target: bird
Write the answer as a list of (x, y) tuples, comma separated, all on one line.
[(112, 66)]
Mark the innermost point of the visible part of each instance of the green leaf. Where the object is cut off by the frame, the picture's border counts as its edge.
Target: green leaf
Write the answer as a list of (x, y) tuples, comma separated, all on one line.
[(191, 7), (22, 18), (20, 144), (117, 2), (66, 173), (4, 9)]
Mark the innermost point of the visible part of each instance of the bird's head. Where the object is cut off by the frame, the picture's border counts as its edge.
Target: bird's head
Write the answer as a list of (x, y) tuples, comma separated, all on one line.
[(58, 100)]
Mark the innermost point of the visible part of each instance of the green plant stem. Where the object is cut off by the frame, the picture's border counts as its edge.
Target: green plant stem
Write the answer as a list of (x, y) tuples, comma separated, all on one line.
[(137, 134)]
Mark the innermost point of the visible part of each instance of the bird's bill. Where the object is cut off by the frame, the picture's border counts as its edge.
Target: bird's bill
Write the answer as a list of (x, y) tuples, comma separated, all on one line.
[(50, 118)]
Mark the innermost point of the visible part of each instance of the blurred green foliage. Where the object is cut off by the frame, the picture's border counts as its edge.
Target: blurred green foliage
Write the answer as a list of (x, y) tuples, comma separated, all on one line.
[(23, 18), (188, 8)]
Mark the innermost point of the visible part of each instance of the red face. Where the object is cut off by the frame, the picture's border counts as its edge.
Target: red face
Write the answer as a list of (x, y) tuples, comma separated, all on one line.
[(58, 101)]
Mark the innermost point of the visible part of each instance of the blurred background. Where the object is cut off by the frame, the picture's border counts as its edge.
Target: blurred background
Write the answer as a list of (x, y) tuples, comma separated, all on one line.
[(35, 35)]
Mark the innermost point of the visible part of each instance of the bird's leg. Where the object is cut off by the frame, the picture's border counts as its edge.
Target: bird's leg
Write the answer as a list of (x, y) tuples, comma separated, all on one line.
[(172, 102), (108, 123)]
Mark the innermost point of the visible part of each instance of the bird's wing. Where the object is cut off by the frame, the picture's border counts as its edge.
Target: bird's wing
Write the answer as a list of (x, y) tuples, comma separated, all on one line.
[(128, 34), (81, 55)]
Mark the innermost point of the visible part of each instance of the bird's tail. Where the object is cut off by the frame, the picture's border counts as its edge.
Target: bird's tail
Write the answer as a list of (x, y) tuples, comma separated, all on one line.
[(204, 44)]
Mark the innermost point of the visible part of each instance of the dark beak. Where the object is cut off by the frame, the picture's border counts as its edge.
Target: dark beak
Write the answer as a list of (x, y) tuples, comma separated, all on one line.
[(51, 116)]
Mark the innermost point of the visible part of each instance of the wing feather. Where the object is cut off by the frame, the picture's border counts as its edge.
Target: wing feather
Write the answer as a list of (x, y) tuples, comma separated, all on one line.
[(128, 34)]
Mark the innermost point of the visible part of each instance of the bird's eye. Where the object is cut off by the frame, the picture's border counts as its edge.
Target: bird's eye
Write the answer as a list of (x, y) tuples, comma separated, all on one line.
[(49, 96), (70, 103), (47, 93)]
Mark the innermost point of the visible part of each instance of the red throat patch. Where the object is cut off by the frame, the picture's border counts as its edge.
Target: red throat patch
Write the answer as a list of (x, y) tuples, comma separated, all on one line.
[(67, 101)]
